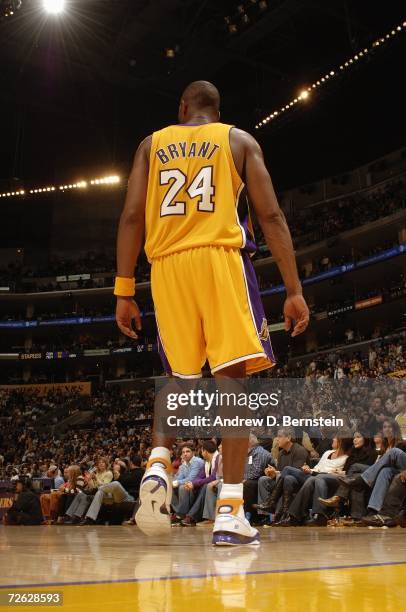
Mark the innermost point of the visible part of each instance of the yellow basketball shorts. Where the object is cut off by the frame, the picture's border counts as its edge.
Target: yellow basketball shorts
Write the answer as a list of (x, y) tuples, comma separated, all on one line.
[(207, 306)]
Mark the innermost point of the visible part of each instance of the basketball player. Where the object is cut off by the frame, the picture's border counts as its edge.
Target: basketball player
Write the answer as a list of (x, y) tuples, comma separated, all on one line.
[(188, 193)]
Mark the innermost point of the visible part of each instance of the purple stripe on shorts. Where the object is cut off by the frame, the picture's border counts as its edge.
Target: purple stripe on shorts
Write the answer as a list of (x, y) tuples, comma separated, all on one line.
[(162, 353), (256, 305)]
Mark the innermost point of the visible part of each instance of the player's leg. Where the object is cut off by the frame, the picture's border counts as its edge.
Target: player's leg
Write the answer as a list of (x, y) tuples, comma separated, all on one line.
[(153, 514), (236, 345), (231, 528), (234, 450), (181, 348)]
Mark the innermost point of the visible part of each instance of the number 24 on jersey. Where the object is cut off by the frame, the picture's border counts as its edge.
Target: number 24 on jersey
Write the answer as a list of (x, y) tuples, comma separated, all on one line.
[(201, 187)]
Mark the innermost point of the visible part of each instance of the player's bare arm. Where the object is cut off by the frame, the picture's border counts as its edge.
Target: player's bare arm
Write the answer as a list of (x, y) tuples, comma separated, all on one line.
[(250, 164), (130, 237)]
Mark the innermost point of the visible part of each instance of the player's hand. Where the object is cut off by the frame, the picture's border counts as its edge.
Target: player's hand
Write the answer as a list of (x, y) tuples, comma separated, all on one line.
[(403, 476), (126, 311), (296, 312)]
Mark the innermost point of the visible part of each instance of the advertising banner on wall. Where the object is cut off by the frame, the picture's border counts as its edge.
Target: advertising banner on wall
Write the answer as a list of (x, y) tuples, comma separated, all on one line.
[(84, 388)]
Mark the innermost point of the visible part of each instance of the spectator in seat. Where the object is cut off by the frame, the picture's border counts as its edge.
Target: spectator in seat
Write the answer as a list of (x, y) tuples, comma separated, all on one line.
[(182, 497), (357, 494), (257, 460), (393, 511), (53, 472), (93, 480), (303, 480), (124, 488), (50, 501), (378, 441), (212, 491), (375, 480), (291, 454), (131, 478), (400, 410), (14, 475), (392, 435), (206, 475), (361, 456), (75, 482), (100, 476), (26, 509), (176, 457)]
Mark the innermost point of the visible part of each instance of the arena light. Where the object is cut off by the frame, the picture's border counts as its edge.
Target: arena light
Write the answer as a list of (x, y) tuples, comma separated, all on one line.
[(43, 189), (8, 8), (79, 185), (331, 74), (11, 194), (107, 180), (54, 7)]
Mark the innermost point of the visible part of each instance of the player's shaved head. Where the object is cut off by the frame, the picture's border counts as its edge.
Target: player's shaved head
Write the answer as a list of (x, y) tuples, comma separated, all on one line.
[(200, 96)]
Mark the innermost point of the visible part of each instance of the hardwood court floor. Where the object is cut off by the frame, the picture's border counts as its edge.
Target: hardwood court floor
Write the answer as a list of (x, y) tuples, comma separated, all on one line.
[(118, 568)]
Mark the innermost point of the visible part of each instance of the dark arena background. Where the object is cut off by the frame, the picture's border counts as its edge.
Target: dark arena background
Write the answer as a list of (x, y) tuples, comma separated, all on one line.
[(320, 86)]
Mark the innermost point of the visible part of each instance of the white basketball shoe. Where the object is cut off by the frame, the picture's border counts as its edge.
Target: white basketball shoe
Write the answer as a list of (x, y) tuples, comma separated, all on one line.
[(153, 516), (231, 528)]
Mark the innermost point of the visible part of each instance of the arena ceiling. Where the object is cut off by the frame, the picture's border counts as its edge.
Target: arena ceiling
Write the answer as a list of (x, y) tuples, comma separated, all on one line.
[(89, 84)]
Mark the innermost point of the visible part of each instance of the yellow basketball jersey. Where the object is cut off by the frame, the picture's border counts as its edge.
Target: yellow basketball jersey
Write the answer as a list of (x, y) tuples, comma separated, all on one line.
[(193, 190)]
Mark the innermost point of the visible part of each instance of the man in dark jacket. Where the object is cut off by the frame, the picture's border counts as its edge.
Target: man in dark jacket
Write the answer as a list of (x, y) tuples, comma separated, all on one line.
[(26, 509), (131, 479), (290, 454)]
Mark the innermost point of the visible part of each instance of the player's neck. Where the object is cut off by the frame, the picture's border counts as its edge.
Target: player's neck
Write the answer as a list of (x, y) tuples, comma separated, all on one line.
[(200, 118)]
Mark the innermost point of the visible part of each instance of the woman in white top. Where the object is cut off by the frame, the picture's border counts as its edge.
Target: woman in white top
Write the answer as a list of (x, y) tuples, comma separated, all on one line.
[(331, 463)]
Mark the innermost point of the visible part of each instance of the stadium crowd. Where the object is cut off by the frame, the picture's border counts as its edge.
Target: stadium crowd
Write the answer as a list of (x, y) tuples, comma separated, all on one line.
[(321, 264), (348, 212), (326, 262), (294, 475), (55, 275), (307, 228), (28, 419), (74, 341), (382, 357)]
